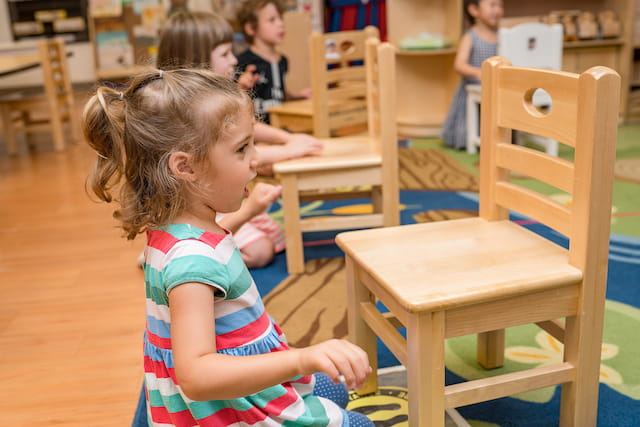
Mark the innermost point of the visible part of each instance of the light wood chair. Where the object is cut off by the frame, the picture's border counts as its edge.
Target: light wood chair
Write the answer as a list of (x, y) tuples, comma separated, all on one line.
[(337, 66), (484, 274), (57, 101), (360, 160)]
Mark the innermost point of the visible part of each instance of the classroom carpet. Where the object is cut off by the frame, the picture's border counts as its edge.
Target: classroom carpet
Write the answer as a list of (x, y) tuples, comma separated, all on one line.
[(438, 184)]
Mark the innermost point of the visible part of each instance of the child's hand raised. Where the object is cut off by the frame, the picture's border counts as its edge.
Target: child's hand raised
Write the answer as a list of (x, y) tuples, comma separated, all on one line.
[(261, 197), (248, 78), (334, 358)]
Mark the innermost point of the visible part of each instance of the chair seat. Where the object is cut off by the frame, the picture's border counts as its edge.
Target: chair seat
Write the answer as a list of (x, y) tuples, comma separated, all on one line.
[(338, 153), (442, 266)]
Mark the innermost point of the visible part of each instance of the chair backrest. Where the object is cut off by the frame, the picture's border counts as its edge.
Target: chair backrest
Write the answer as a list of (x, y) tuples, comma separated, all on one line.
[(57, 79), (382, 112), (584, 116), (532, 44), (338, 78)]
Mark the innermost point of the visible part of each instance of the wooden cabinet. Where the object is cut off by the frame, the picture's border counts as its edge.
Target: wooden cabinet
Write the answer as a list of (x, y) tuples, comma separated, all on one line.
[(426, 80)]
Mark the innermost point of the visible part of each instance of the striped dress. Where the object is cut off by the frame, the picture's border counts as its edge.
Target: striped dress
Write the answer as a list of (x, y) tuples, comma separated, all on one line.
[(454, 129), (181, 253)]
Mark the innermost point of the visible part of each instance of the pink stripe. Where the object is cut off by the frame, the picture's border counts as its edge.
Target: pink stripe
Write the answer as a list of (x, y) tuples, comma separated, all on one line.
[(160, 240), (244, 334), (178, 419), (159, 369), (228, 416), (154, 339), (280, 404), (212, 239)]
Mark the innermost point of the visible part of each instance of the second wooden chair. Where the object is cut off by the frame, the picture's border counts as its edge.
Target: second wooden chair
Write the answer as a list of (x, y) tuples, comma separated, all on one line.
[(338, 86), (369, 163)]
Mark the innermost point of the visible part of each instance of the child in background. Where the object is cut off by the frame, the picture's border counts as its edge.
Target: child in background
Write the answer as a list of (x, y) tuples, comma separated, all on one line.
[(263, 27), (212, 355), (204, 40), (476, 45)]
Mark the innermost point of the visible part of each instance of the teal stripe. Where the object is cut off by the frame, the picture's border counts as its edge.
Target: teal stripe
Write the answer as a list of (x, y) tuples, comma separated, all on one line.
[(183, 231), (173, 403), (195, 268), (204, 409)]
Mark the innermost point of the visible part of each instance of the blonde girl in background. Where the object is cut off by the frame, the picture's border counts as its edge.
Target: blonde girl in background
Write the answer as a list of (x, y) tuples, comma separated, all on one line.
[(178, 145), (476, 45), (204, 40)]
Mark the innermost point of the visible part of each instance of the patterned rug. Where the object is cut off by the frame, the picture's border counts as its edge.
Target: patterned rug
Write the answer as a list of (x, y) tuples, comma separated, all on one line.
[(312, 307)]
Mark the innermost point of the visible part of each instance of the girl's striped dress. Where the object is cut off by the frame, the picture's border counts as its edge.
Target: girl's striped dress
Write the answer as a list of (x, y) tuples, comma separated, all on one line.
[(181, 253)]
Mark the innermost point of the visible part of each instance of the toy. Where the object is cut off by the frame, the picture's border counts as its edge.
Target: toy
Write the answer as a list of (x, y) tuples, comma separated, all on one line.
[(587, 26)]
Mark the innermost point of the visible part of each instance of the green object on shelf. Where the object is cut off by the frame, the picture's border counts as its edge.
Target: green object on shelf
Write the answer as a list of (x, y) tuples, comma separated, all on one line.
[(424, 41)]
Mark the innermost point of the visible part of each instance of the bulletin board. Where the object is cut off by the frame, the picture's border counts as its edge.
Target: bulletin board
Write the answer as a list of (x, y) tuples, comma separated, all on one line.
[(124, 34)]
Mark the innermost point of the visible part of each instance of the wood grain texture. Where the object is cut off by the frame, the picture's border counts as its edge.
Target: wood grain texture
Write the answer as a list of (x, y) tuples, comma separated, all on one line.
[(72, 305)]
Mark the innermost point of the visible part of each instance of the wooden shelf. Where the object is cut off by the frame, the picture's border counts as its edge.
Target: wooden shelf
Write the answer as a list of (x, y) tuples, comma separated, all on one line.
[(427, 52), (592, 43)]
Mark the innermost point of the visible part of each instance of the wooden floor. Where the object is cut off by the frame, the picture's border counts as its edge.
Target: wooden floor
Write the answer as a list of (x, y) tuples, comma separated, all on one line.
[(71, 298)]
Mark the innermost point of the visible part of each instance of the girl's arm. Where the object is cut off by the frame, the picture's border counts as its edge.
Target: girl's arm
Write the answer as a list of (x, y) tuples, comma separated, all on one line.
[(275, 144), (461, 63), (261, 196), (204, 374)]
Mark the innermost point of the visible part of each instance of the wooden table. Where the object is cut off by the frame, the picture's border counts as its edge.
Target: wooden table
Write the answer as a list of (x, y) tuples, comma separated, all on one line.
[(14, 63)]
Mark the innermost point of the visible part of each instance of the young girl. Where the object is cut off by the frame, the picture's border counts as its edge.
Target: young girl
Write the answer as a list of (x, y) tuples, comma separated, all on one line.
[(476, 45), (204, 40), (179, 147)]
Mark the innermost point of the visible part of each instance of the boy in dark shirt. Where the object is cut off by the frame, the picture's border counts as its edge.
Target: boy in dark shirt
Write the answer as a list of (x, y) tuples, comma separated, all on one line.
[(262, 24)]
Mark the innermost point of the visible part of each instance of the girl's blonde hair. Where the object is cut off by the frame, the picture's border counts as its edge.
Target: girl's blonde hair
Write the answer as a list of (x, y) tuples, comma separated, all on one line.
[(135, 131), (187, 39)]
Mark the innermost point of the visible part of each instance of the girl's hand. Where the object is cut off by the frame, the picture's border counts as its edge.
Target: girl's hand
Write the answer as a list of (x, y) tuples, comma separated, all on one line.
[(248, 78), (334, 358), (261, 197), (301, 144)]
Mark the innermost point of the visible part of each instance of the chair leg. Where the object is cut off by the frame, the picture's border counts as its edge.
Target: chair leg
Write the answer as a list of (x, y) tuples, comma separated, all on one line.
[(292, 227), (359, 332), (491, 349), (579, 399), (57, 130), (9, 129), (425, 369)]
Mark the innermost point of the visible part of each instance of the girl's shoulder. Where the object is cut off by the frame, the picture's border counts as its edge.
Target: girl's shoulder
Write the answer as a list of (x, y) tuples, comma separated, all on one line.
[(482, 37)]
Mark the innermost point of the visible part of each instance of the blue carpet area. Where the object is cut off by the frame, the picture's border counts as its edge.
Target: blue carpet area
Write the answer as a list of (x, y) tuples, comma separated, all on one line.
[(619, 391)]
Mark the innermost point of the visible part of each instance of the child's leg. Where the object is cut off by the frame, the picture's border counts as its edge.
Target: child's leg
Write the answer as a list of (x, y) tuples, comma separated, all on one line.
[(259, 240), (338, 393), (258, 253)]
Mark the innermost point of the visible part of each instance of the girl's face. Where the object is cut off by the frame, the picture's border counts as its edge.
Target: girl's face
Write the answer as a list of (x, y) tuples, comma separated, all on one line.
[(223, 61), (229, 166), (270, 27), (488, 12)]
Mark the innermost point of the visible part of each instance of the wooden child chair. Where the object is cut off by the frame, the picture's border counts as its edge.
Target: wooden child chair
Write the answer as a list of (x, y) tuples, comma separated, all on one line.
[(531, 44), (338, 85), (16, 108), (360, 160), (484, 274)]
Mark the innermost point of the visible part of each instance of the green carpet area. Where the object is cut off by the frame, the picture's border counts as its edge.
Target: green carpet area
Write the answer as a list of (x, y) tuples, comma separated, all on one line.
[(626, 194)]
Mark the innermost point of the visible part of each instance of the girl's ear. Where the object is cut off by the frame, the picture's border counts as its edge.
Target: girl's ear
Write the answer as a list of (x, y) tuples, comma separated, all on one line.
[(181, 165), (472, 8)]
